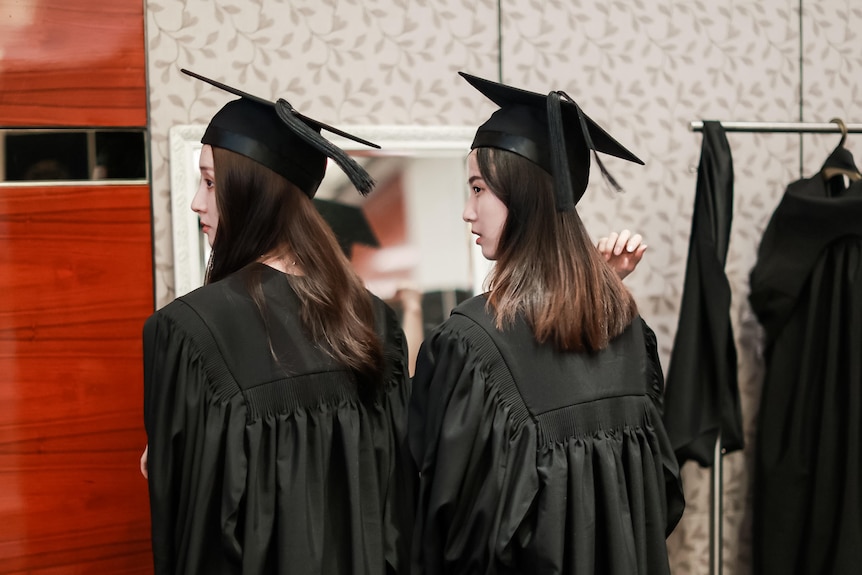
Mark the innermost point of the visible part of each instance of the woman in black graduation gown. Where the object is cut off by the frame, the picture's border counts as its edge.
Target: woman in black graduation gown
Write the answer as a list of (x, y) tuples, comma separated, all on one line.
[(535, 420), (275, 395)]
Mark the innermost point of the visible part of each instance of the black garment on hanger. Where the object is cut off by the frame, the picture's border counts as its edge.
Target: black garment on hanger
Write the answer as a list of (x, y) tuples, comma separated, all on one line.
[(701, 394), (806, 290)]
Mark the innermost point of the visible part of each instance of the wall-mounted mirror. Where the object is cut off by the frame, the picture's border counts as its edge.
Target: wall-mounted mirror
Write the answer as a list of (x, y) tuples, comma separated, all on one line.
[(414, 211)]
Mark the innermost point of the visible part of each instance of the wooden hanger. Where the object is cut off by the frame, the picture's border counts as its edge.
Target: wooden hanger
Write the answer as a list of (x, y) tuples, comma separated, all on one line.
[(840, 161)]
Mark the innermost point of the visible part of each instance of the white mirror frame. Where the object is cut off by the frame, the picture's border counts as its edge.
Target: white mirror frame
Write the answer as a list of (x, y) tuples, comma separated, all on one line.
[(185, 145)]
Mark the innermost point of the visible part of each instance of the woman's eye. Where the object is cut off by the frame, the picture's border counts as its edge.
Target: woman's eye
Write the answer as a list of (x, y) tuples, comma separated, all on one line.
[(209, 183), (476, 189)]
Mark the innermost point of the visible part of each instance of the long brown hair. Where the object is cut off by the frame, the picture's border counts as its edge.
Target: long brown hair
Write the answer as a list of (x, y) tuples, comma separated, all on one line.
[(260, 211), (547, 266)]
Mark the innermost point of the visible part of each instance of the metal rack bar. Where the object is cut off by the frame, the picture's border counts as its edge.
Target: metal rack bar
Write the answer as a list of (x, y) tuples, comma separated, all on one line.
[(717, 472), (794, 127), (716, 526)]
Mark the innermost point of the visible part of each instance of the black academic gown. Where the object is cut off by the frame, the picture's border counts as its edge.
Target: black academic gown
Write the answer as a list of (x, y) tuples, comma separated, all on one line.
[(806, 290), (537, 462), (265, 466), (702, 392)]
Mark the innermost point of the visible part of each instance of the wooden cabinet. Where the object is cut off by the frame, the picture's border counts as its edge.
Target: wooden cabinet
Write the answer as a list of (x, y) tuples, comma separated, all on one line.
[(76, 278), (72, 63)]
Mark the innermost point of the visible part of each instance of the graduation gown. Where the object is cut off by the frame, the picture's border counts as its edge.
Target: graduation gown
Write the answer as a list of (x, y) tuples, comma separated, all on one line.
[(534, 461), (702, 392), (806, 289), (265, 460)]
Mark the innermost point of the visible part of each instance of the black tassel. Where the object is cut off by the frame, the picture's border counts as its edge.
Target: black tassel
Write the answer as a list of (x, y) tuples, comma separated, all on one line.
[(563, 185), (360, 179), (589, 141)]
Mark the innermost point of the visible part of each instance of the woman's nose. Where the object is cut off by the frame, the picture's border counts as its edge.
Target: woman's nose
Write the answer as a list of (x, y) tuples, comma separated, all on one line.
[(198, 204), (469, 213)]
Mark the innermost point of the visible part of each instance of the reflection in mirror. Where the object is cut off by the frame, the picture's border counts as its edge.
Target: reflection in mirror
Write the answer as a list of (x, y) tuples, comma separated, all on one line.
[(414, 211), (40, 155)]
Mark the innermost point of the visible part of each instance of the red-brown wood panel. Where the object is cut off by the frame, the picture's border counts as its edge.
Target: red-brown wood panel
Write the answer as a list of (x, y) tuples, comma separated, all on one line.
[(76, 284), (72, 63)]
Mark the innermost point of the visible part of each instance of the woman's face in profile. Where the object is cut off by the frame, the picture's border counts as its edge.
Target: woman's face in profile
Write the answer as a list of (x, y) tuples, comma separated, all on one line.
[(485, 212), (204, 202)]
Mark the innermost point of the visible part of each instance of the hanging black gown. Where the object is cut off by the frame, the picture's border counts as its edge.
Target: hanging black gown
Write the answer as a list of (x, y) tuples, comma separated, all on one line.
[(806, 290), (702, 393), (260, 466), (539, 462)]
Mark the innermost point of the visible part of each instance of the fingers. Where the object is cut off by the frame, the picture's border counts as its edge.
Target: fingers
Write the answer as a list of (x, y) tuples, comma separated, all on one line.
[(603, 247), (616, 244), (623, 251), (608, 245), (612, 243), (622, 240), (635, 257), (628, 242)]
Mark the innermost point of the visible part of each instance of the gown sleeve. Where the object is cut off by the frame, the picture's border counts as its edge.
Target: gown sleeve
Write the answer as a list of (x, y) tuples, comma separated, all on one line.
[(673, 484), (401, 473), (195, 480), (475, 488), (654, 371), (163, 431)]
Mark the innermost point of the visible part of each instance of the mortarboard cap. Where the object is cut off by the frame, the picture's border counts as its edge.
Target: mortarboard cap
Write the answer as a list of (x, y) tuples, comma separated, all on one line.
[(551, 131), (275, 135), (348, 223)]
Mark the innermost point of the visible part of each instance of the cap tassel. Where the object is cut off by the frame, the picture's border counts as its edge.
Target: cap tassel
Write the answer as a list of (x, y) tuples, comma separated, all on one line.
[(589, 140), (360, 179), (563, 185)]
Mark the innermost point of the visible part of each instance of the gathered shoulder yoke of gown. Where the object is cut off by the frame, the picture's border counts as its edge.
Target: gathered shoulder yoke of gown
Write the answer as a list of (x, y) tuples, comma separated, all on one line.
[(263, 457), (536, 461)]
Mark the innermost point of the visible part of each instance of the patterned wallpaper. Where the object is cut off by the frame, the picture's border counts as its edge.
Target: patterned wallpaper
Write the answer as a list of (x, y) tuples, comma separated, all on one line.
[(648, 69), (345, 62), (643, 70)]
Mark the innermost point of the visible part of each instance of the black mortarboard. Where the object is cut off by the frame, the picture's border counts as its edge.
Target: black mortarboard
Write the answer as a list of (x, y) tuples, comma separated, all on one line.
[(280, 138), (551, 131), (348, 223)]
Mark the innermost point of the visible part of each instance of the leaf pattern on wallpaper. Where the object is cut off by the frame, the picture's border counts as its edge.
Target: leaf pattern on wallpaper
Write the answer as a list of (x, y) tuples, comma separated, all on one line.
[(354, 61), (643, 69), (833, 66)]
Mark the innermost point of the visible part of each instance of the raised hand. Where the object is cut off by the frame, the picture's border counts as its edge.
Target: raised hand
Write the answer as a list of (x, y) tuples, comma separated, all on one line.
[(623, 251)]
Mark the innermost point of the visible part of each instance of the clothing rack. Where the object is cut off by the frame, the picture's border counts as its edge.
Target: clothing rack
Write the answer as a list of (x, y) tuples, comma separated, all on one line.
[(769, 127), (717, 484)]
